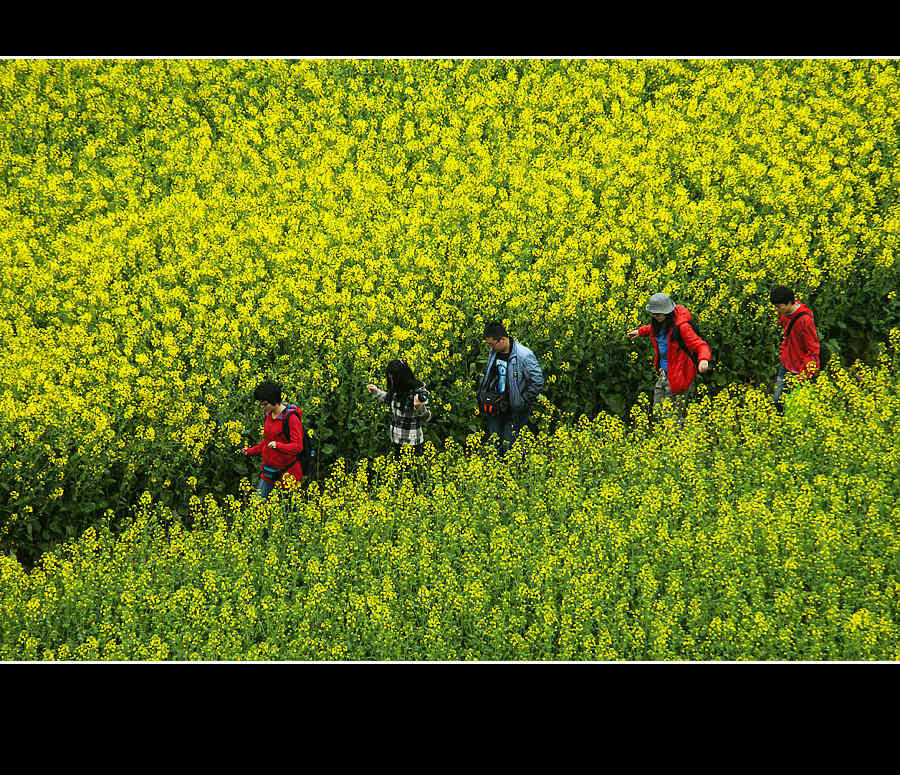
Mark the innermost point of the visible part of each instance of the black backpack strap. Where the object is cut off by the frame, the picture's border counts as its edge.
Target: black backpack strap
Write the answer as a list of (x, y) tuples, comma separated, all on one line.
[(787, 333), (307, 442), (285, 425), (676, 333)]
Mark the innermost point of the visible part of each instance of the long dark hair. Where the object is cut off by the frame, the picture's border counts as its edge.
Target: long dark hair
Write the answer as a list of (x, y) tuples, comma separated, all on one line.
[(400, 380), (663, 326)]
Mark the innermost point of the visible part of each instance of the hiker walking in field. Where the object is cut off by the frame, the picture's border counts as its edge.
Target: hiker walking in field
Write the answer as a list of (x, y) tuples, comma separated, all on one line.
[(800, 344), (408, 399), (282, 443), (512, 381), (680, 352)]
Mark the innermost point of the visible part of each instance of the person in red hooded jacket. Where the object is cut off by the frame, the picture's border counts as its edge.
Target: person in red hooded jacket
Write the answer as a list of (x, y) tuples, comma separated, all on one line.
[(676, 362), (280, 457), (800, 344)]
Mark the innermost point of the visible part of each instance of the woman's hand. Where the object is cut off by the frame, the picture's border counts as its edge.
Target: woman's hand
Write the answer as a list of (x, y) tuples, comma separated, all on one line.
[(372, 388)]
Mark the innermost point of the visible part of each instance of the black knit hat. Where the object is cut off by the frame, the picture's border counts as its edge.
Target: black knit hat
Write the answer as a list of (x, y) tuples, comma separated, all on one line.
[(270, 392)]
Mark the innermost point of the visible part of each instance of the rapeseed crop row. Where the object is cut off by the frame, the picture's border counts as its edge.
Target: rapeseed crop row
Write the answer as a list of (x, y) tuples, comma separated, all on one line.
[(173, 232), (741, 535)]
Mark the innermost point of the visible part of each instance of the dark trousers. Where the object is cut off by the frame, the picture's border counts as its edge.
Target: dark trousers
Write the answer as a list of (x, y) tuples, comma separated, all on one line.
[(417, 449), (415, 472), (506, 427)]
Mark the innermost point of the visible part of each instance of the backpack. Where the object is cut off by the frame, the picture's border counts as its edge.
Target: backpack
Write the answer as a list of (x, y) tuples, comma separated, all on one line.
[(492, 402), (307, 456)]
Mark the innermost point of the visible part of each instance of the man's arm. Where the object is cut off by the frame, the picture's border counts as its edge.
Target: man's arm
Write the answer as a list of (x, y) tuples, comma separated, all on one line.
[(534, 378), (808, 344)]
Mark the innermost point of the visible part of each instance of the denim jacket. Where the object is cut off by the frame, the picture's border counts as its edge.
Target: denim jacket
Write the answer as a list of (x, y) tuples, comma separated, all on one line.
[(524, 373)]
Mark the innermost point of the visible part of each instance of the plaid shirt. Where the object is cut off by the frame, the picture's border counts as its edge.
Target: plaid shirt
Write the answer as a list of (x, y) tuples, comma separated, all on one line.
[(406, 424)]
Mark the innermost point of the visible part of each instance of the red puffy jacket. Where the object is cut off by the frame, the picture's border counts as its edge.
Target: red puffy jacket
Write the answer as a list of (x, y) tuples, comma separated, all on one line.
[(681, 367), (285, 451)]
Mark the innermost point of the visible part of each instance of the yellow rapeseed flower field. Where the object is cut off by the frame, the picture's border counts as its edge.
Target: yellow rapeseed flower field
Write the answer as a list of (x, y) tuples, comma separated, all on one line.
[(741, 535), (172, 232)]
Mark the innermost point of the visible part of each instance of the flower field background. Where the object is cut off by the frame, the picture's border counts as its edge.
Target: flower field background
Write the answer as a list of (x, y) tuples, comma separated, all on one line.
[(174, 232)]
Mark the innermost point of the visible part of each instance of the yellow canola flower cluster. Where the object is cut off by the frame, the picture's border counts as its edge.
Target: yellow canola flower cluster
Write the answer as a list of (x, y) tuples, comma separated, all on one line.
[(173, 232), (741, 535)]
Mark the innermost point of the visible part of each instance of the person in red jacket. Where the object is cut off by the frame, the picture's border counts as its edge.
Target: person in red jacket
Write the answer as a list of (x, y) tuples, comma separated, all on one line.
[(280, 457), (679, 352), (799, 344)]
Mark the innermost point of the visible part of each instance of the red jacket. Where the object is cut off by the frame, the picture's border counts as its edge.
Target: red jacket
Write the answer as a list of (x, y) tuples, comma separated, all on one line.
[(800, 352), (286, 451), (681, 369)]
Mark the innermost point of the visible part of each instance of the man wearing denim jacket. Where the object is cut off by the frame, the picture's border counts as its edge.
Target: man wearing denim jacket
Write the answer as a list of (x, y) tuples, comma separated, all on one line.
[(514, 370)]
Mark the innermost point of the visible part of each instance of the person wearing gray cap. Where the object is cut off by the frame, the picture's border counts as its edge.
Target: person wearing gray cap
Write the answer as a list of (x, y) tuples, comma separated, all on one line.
[(680, 353)]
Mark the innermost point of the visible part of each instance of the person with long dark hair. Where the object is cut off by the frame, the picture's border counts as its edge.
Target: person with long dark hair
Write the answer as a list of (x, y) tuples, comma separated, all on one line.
[(407, 397), (679, 352)]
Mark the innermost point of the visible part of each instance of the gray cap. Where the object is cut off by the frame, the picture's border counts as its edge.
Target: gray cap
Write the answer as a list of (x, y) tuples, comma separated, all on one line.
[(660, 304)]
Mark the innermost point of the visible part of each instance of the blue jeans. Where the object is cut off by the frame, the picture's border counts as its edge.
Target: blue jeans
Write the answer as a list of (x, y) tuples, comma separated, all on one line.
[(506, 428), (285, 497), (780, 387), (264, 488)]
